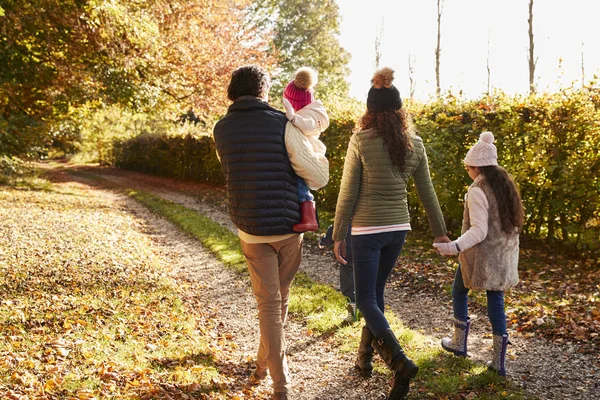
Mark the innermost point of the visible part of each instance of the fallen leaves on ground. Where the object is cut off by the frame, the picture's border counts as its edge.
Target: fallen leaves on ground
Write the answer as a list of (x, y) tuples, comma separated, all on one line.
[(90, 310), (557, 297)]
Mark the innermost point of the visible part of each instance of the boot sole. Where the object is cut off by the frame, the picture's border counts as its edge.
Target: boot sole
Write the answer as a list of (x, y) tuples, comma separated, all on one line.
[(399, 392), (365, 373), (500, 373), (305, 228), (455, 352)]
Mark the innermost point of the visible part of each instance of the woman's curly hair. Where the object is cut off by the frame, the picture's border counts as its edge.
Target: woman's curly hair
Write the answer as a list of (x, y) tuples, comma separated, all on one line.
[(250, 80), (394, 127)]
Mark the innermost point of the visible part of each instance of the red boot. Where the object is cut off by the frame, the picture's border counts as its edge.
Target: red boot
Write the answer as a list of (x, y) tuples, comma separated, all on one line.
[(309, 218)]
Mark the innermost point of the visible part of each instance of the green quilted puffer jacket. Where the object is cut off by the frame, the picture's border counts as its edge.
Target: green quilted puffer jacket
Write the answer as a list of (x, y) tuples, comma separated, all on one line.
[(373, 190)]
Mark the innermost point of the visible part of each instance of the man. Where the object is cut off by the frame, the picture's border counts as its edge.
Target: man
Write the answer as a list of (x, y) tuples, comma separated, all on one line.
[(262, 159)]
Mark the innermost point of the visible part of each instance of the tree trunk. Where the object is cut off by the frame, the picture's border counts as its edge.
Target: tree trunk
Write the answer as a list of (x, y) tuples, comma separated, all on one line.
[(551, 220), (489, 74), (540, 218), (438, 50), (378, 39), (563, 227), (532, 60), (411, 76), (582, 67)]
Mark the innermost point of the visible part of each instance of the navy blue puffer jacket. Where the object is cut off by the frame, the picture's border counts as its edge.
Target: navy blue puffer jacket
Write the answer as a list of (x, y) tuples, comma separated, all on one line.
[(262, 189)]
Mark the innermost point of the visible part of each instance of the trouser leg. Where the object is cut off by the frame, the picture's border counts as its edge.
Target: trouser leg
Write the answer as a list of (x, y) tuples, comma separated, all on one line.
[(272, 268)]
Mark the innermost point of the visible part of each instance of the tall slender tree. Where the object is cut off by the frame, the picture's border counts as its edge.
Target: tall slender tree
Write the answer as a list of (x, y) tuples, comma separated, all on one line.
[(438, 49), (489, 72), (378, 40), (582, 66), (411, 76), (531, 58)]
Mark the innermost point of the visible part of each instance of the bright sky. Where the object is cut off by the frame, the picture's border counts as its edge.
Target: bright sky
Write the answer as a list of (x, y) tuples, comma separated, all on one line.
[(410, 28)]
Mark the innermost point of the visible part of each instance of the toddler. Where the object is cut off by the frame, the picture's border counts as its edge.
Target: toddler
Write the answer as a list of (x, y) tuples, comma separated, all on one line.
[(310, 117)]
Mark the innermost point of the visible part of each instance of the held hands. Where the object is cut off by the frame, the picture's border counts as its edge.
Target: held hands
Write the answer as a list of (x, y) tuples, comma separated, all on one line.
[(446, 248), (442, 239), (289, 110), (339, 249)]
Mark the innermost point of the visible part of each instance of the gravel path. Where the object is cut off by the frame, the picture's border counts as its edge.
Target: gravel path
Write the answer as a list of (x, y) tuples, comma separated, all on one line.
[(544, 369)]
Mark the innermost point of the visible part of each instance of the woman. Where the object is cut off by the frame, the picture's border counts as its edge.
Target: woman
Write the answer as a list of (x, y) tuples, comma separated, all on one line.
[(382, 156)]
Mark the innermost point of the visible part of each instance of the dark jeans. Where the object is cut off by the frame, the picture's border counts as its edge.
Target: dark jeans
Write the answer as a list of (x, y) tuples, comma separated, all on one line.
[(374, 258), (495, 304)]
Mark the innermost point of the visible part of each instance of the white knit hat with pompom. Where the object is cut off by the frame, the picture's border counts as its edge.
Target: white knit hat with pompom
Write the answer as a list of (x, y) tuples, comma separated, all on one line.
[(483, 153)]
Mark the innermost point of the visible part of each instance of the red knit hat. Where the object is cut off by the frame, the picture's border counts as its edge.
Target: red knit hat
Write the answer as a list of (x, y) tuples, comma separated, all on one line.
[(299, 92)]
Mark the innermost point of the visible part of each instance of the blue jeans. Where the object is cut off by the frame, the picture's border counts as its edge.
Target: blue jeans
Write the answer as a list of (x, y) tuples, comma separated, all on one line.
[(374, 257), (304, 193), (495, 304)]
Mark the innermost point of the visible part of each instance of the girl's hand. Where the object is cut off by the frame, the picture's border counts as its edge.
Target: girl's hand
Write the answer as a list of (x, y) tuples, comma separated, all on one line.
[(446, 249), (339, 249)]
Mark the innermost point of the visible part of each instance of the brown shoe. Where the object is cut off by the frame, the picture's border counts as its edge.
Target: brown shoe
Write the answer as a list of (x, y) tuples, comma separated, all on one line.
[(281, 396), (255, 380)]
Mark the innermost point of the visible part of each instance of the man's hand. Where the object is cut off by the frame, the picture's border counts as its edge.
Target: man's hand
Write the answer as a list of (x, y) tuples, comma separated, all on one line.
[(289, 110), (339, 249), (446, 249)]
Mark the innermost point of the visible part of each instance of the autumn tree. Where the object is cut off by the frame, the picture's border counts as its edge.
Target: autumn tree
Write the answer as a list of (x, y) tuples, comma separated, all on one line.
[(58, 55), (305, 33)]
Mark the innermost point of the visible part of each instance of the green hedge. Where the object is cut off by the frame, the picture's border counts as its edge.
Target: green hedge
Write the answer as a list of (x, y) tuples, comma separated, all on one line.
[(549, 143), (182, 157)]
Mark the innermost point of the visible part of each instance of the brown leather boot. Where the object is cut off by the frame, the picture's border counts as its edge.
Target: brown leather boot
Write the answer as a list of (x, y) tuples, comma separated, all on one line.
[(364, 361)]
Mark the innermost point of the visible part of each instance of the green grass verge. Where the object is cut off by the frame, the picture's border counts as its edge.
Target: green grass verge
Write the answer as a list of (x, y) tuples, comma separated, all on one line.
[(321, 307), (224, 245)]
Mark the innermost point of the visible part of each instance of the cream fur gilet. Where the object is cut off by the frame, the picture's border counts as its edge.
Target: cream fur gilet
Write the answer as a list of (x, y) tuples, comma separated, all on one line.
[(493, 263)]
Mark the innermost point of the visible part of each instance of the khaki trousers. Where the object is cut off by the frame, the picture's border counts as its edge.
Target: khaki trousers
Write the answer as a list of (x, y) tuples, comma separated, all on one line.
[(272, 268)]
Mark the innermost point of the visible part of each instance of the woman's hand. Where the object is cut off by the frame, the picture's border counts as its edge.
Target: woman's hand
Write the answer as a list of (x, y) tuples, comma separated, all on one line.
[(442, 239), (339, 249)]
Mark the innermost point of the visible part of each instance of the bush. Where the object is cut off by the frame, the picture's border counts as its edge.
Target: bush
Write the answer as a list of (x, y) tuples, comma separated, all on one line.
[(12, 169), (343, 114), (548, 142), (100, 128), (182, 157)]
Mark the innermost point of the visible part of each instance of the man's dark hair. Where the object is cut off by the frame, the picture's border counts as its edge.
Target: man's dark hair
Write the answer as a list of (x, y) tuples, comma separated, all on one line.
[(250, 80)]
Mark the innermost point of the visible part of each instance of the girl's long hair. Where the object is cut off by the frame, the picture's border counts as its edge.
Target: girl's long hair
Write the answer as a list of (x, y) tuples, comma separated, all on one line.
[(394, 127), (507, 197)]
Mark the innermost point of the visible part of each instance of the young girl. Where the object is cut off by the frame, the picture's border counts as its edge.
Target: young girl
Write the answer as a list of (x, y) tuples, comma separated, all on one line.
[(488, 247), (310, 117)]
